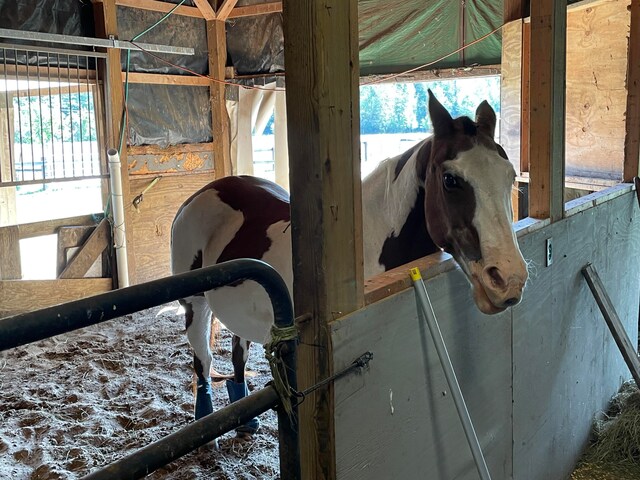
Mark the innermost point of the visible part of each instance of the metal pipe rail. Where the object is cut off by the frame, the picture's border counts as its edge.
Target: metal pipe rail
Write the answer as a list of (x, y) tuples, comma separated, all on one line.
[(34, 326)]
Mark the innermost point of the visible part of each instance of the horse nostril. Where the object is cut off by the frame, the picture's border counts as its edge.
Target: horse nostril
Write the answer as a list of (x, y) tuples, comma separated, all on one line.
[(496, 277), (511, 302)]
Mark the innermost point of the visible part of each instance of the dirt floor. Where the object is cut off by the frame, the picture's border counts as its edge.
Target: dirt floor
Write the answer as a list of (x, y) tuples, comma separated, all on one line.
[(72, 404)]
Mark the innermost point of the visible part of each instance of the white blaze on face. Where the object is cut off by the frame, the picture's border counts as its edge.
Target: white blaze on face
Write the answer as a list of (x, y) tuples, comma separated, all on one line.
[(502, 271)]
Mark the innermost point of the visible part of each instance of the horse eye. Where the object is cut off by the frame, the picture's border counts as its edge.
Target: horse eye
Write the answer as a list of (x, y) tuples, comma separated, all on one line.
[(450, 181)]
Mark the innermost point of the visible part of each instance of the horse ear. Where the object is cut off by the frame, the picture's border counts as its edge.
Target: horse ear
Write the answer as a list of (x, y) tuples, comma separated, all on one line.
[(440, 117), (486, 119)]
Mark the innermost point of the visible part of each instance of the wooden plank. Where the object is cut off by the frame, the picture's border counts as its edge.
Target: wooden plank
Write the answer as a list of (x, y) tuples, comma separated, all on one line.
[(82, 261), (525, 113), (19, 296), (547, 117), (632, 136), (596, 93), (8, 206), (225, 9), (513, 10), (151, 227), (164, 79), (627, 349), (396, 280), (170, 150), (70, 237), (206, 9), (106, 24), (55, 74), (257, 9), (322, 91), (397, 419), (163, 7), (510, 91), (10, 266), (50, 227), (216, 39)]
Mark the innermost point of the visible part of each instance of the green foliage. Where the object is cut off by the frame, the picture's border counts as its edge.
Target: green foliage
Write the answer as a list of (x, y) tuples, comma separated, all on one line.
[(58, 118), (402, 107)]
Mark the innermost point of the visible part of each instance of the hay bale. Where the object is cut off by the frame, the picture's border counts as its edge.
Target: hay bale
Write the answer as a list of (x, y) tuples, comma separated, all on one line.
[(617, 434)]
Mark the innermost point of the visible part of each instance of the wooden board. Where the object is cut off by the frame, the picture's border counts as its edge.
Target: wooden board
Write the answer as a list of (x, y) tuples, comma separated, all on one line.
[(151, 225), (510, 88), (85, 257), (632, 119), (323, 133), (533, 377), (547, 115), (19, 296), (10, 266), (596, 93)]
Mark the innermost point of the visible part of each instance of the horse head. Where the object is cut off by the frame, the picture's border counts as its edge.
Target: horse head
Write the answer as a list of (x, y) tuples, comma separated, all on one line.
[(468, 205)]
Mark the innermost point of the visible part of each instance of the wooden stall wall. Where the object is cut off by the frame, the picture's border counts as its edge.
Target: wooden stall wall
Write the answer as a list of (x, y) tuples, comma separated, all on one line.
[(596, 92), (533, 376), (151, 221)]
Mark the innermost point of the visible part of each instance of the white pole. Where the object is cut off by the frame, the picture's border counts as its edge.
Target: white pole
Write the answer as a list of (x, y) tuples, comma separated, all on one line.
[(449, 373), (119, 234)]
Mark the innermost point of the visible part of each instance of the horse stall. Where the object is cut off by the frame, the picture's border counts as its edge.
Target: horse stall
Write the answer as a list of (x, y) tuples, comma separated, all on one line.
[(533, 376)]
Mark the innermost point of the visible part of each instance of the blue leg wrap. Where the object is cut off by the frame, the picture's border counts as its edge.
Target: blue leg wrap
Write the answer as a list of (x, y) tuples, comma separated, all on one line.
[(204, 405), (236, 392)]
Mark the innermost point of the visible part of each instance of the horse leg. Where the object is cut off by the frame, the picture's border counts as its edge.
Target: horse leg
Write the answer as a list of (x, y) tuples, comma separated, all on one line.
[(237, 388), (198, 324)]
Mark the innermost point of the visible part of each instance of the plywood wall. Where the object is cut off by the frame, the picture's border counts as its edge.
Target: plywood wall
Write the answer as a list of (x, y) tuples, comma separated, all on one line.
[(533, 377), (151, 225), (597, 36), (596, 95)]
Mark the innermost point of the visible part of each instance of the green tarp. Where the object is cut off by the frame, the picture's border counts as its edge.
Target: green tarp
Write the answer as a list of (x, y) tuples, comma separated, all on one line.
[(396, 35)]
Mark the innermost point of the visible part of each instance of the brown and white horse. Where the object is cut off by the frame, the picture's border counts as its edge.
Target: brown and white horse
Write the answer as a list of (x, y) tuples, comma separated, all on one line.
[(451, 191)]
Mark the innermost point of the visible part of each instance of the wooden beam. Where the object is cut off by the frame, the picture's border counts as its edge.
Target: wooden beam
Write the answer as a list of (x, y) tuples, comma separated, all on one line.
[(19, 296), (106, 25), (321, 48), (163, 79), (10, 266), (225, 9), (632, 137), (236, 12), (547, 116), (163, 7), (206, 9), (258, 9), (50, 227), (97, 242), (170, 150), (217, 40), (514, 10)]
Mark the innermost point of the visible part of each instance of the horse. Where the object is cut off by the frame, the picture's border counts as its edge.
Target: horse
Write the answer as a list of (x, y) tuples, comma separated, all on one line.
[(451, 192)]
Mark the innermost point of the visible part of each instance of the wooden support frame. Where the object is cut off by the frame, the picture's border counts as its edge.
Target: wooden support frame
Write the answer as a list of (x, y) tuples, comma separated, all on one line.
[(163, 79), (632, 138), (195, 12), (321, 51), (217, 42), (547, 116), (84, 258)]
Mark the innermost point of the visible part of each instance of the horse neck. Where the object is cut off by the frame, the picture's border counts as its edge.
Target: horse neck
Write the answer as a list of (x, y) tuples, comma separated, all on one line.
[(389, 194)]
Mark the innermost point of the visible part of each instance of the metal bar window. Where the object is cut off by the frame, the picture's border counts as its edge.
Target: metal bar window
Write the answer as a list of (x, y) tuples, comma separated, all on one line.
[(50, 95)]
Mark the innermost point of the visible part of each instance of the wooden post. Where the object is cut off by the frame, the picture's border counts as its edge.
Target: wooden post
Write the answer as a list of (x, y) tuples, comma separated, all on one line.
[(547, 104), (106, 25), (8, 211), (514, 10), (632, 138), (321, 51), (281, 152), (217, 40)]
